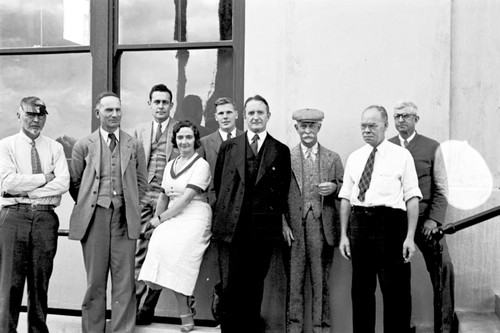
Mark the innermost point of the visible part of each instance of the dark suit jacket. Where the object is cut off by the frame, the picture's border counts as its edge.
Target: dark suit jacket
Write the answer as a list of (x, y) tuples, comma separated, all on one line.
[(209, 150), (431, 176), (85, 179), (331, 170), (270, 193)]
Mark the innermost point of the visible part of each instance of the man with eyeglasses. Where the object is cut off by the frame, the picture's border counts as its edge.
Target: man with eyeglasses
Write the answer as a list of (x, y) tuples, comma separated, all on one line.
[(33, 176), (156, 138), (432, 182), (379, 204)]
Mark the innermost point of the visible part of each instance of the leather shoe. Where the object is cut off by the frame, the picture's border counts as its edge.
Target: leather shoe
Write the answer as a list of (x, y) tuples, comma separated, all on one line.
[(144, 317)]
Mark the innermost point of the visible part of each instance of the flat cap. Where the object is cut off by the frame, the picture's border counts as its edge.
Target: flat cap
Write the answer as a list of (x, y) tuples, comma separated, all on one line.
[(310, 115)]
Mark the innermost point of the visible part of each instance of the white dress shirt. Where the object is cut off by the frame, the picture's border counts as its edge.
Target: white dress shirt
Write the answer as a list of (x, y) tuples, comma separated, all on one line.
[(105, 135), (163, 127), (314, 150), (402, 141), (262, 136), (16, 174), (394, 179), (223, 134)]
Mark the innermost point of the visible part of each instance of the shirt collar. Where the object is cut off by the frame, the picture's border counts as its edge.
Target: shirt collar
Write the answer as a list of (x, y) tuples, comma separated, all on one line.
[(163, 124), (314, 149), (262, 136), (27, 138), (105, 133), (401, 140), (381, 148), (223, 134)]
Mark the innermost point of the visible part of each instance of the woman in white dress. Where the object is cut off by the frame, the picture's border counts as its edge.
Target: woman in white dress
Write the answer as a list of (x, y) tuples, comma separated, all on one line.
[(182, 225)]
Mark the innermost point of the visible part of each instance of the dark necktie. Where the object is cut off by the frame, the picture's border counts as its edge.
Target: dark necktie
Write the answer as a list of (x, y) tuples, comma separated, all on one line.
[(112, 141), (255, 144), (406, 143), (36, 166), (366, 176), (229, 135), (158, 133)]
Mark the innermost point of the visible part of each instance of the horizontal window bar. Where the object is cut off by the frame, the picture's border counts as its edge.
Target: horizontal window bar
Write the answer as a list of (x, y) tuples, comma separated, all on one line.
[(44, 50), (175, 46)]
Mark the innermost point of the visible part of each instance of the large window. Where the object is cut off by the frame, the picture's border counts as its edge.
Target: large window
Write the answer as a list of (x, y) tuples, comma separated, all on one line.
[(68, 51)]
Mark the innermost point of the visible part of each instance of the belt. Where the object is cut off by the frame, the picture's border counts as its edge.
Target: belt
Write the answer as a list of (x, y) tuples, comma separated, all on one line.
[(32, 207), (371, 210)]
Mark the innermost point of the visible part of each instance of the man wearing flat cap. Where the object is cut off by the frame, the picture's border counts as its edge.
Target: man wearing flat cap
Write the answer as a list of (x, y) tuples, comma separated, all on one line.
[(33, 176), (311, 227)]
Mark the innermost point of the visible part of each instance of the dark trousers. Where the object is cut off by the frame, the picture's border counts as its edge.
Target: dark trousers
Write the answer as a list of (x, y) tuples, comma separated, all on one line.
[(106, 247), (440, 268), (377, 237), (152, 296), (309, 253), (243, 268), (28, 244)]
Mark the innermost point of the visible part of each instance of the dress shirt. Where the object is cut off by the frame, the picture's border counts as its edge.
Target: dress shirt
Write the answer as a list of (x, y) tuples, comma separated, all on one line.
[(223, 134), (155, 127), (314, 150), (16, 173), (262, 137), (402, 141), (105, 135), (394, 179)]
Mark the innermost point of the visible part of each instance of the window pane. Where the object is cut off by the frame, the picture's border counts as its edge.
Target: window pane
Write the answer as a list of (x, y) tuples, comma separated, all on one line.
[(197, 21), (196, 78), (38, 23), (62, 81)]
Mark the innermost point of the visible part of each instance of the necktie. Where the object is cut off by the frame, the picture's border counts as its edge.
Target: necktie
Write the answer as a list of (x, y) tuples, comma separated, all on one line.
[(229, 135), (112, 141), (366, 176), (406, 143), (255, 145), (36, 166), (309, 153), (158, 133)]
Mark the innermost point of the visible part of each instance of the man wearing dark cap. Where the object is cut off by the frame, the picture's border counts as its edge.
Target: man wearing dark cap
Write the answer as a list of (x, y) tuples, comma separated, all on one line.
[(33, 176), (311, 227)]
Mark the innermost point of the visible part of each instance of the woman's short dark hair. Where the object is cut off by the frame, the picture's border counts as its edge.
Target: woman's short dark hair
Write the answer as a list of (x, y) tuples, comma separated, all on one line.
[(188, 124)]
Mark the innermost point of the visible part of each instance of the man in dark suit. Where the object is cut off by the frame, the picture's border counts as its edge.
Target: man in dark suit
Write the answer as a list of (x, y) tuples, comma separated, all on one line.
[(252, 178), (312, 229), (225, 114), (432, 211), (156, 138), (108, 180)]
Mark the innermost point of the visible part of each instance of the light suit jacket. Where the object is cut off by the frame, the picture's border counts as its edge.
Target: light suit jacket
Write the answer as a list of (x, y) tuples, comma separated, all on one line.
[(85, 179), (331, 170)]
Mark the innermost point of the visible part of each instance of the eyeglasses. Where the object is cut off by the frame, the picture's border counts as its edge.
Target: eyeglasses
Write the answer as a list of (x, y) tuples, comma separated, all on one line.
[(405, 116)]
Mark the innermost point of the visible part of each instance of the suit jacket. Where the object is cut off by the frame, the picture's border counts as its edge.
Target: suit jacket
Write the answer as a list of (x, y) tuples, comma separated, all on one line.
[(144, 133), (269, 195), (85, 179), (431, 174), (331, 170), (209, 150)]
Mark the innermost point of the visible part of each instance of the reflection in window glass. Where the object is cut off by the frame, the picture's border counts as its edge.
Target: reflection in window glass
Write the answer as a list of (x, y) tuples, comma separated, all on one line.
[(62, 81), (196, 78), (196, 21), (39, 23)]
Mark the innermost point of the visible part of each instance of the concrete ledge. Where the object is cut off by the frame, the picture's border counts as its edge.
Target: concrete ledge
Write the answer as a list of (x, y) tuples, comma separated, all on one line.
[(72, 324), (478, 322)]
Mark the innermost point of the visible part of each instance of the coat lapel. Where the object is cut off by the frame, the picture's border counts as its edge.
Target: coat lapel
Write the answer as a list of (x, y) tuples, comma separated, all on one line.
[(95, 151), (125, 150), (296, 160), (146, 137), (216, 141), (238, 156), (325, 161), (269, 153)]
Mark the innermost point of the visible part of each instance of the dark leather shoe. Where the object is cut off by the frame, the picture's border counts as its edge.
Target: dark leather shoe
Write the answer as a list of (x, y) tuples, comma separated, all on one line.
[(144, 317)]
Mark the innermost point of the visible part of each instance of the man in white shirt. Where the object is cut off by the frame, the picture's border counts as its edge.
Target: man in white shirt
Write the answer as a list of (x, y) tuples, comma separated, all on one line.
[(33, 176), (379, 203)]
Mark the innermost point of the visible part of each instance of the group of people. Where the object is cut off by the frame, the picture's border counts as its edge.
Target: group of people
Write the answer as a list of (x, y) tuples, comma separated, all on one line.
[(246, 192)]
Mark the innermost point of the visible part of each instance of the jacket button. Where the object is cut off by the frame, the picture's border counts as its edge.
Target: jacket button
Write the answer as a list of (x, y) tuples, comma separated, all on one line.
[(94, 192), (92, 205)]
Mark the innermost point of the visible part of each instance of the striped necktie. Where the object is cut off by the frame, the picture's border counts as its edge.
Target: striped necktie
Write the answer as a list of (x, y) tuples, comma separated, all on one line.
[(158, 133), (36, 166), (366, 176), (112, 141)]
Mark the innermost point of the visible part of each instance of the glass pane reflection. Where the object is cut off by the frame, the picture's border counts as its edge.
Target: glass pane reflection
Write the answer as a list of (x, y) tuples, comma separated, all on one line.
[(63, 82), (196, 21), (196, 78), (39, 23)]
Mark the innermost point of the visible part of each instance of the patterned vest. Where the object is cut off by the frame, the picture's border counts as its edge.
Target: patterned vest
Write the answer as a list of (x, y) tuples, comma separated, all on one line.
[(110, 186), (310, 180)]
